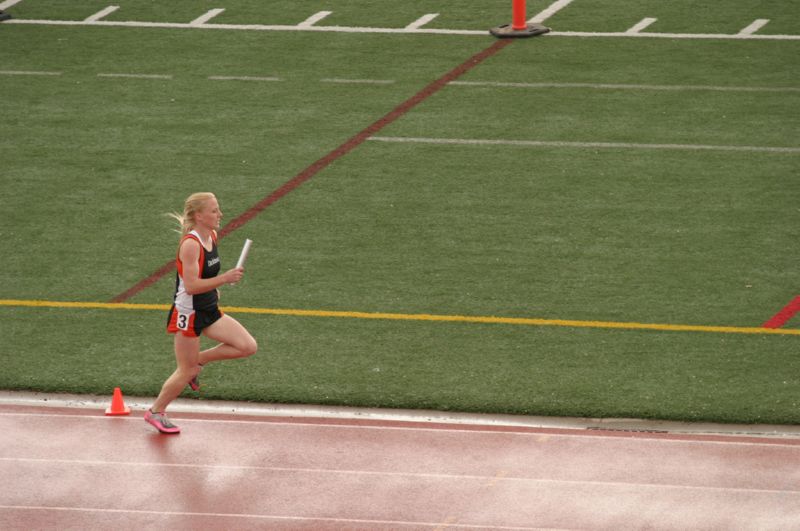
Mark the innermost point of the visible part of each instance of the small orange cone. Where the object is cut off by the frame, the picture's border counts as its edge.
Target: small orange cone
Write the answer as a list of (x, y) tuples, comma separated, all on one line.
[(117, 404)]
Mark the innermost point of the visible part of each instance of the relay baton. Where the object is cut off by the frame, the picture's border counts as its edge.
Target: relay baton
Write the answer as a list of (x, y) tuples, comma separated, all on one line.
[(245, 250)]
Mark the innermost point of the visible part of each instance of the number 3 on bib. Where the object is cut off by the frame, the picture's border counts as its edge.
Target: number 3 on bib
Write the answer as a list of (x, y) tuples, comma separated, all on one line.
[(183, 321)]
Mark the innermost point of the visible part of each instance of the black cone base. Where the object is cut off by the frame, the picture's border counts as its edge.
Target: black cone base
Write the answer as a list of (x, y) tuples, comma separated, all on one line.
[(506, 31)]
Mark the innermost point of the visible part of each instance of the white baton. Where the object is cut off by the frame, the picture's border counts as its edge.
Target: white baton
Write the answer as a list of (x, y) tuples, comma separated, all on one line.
[(245, 250)]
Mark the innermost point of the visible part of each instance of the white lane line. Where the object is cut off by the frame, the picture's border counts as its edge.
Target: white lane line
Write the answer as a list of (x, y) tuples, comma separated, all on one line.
[(582, 145), (8, 3), (642, 24), (349, 521), (199, 21), (379, 427), (618, 86), (138, 76), (391, 473), (421, 21), (548, 12), (359, 81), (27, 73), (243, 78), (313, 19), (101, 14), (754, 27), (435, 31)]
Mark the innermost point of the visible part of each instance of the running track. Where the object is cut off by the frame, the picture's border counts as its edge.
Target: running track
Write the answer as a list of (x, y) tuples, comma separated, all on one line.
[(71, 468)]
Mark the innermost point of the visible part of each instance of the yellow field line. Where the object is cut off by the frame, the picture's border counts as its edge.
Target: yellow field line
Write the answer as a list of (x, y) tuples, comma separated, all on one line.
[(421, 317)]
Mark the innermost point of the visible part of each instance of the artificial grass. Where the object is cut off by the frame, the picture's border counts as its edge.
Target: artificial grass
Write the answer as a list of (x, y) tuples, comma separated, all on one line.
[(91, 164), (454, 367)]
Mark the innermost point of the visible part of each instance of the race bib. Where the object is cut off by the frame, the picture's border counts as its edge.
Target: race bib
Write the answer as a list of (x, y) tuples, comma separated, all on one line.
[(182, 321)]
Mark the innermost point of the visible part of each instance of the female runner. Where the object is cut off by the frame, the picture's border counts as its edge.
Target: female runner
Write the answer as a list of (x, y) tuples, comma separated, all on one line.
[(195, 308)]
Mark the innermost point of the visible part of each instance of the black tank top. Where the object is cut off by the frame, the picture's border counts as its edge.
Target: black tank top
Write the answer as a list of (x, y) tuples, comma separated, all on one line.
[(209, 266)]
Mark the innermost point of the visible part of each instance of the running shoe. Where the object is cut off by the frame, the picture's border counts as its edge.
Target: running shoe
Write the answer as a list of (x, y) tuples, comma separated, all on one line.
[(194, 383), (161, 422)]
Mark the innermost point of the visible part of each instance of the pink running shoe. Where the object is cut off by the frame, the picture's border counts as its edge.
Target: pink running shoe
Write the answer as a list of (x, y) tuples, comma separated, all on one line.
[(161, 422), (194, 383)]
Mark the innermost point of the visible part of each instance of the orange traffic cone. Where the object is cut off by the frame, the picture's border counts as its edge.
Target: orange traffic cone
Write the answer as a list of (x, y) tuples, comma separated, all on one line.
[(117, 404)]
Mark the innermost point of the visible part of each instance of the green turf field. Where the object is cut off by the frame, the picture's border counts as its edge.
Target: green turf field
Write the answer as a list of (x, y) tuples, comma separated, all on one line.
[(662, 191)]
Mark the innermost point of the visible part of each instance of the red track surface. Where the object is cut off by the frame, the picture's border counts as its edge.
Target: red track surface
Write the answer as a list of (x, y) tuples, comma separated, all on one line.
[(78, 469)]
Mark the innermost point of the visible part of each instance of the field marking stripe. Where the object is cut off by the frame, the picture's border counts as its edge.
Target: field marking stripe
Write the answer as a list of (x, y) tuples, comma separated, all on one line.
[(785, 315), (358, 81), (259, 517), (345, 148), (313, 19), (101, 14), (146, 282), (582, 145), (642, 24), (243, 78), (722, 36), (497, 84), (137, 76), (83, 305), (202, 19), (250, 27), (475, 319), (8, 3), (548, 12), (28, 73), (623, 86), (421, 21), (347, 29), (754, 26)]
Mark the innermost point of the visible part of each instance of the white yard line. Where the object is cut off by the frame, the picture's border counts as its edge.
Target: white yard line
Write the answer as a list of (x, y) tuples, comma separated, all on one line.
[(359, 81), (554, 8), (305, 26), (493, 84), (581, 145), (8, 3), (138, 76), (642, 24), (754, 27), (421, 21), (27, 73), (720, 36), (313, 19), (616, 86), (199, 21), (101, 14), (243, 78)]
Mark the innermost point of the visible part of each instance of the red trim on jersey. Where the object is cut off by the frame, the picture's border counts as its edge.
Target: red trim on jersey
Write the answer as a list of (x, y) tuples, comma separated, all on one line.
[(200, 259)]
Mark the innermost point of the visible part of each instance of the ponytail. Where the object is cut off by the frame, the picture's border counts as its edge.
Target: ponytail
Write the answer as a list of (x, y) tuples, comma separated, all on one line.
[(193, 204)]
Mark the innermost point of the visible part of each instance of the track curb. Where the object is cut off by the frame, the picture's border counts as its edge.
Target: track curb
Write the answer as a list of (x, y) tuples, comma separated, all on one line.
[(186, 405)]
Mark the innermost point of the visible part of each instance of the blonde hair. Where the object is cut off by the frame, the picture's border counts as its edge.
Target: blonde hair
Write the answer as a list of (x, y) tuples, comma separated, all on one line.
[(193, 204)]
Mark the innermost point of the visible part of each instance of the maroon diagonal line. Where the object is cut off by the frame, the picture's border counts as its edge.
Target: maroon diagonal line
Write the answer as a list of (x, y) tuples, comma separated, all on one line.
[(785, 315), (325, 161)]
